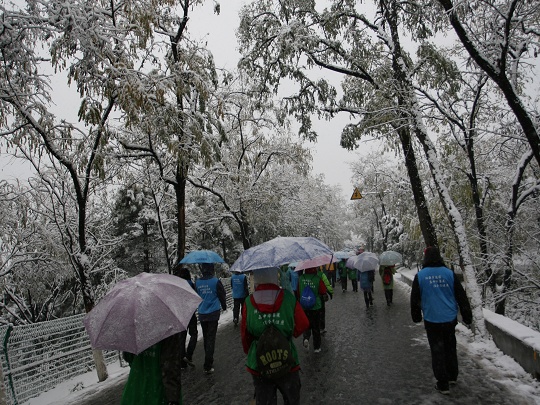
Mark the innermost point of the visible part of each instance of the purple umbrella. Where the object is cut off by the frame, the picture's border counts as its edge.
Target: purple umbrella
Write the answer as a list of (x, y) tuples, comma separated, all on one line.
[(279, 251), (141, 311)]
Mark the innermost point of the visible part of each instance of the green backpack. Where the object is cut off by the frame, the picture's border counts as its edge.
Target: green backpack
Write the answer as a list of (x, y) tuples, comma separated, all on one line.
[(274, 355)]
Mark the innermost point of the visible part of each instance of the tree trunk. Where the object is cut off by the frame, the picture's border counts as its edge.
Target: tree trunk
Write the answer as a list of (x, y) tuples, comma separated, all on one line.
[(424, 218), (516, 200), (146, 248), (180, 190), (407, 97), (244, 229), (101, 367), (3, 400)]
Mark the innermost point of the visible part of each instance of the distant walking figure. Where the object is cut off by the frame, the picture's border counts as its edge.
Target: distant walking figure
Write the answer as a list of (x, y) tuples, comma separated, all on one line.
[(366, 284), (239, 286), (387, 277)]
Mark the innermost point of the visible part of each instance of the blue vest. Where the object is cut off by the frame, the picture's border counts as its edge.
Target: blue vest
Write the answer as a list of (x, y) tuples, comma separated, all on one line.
[(437, 294), (238, 286), (207, 290), (294, 279)]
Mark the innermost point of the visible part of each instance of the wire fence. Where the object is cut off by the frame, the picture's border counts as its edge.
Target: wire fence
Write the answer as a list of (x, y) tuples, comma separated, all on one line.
[(37, 357)]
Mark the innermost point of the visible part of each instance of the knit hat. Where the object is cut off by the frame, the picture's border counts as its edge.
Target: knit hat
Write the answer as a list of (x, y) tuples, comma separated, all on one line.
[(207, 268), (267, 275), (432, 257), (184, 273)]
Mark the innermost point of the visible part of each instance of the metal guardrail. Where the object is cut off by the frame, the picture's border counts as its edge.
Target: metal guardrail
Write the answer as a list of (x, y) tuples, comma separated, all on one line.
[(37, 357)]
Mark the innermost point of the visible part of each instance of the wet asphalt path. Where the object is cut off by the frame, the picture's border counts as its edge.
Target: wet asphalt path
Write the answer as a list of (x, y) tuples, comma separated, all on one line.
[(369, 356)]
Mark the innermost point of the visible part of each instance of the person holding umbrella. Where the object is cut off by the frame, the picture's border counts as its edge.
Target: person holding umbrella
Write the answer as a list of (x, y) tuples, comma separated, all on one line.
[(310, 278), (387, 269), (342, 270), (365, 263), (154, 376), (143, 317), (270, 306), (213, 295), (387, 277)]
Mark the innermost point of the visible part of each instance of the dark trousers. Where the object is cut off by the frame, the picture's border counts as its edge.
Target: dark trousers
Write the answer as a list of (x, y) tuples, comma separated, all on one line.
[(314, 318), (322, 320), (344, 283), (368, 298), (442, 342), (331, 276), (209, 331), (289, 387), (389, 294), (237, 306), (193, 334), (354, 283)]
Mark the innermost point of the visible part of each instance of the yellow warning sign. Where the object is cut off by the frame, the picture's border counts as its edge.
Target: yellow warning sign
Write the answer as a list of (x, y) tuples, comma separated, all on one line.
[(356, 194)]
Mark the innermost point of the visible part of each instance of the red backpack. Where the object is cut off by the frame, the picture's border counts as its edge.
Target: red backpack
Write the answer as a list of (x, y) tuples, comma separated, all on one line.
[(387, 276)]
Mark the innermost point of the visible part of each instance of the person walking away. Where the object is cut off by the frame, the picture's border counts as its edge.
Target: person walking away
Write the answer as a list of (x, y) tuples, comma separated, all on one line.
[(213, 295), (186, 355), (311, 279), (284, 278), (366, 284), (269, 306), (387, 277), (239, 287), (342, 272), (329, 295), (154, 375), (330, 273), (352, 274), (293, 276), (437, 294)]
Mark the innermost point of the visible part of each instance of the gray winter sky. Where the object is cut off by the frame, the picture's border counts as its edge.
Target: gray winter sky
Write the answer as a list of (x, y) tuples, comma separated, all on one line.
[(329, 158)]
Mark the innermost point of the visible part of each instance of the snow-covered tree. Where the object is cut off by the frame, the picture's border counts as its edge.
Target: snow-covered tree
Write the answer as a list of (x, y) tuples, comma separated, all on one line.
[(501, 37)]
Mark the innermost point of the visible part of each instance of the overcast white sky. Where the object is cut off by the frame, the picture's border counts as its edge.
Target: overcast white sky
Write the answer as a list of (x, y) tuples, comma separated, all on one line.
[(329, 158)]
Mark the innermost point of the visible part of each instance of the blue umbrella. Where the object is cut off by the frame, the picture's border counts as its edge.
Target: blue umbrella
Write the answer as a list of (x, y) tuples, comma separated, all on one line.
[(201, 256), (279, 251)]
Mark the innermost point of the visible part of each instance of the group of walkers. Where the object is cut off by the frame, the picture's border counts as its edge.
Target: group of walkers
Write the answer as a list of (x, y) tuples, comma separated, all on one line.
[(284, 305), (366, 280)]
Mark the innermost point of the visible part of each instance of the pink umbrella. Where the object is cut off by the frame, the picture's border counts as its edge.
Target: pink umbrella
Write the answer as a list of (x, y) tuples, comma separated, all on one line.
[(316, 262), (141, 311)]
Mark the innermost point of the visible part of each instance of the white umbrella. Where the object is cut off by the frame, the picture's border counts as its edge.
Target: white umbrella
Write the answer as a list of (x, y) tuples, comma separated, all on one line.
[(365, 261), (390, 258)]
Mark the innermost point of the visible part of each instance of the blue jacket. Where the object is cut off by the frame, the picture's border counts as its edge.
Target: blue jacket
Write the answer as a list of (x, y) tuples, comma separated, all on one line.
[(294, 279), (437, 294), (213, 297), (239, 286)]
